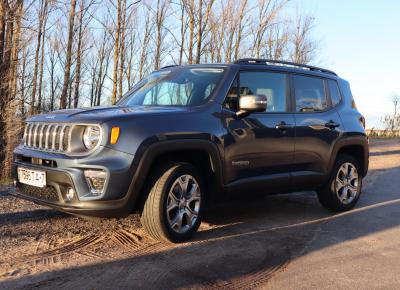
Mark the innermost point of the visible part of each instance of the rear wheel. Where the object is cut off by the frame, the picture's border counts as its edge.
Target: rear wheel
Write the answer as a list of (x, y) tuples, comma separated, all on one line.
[(172, 211), (343, 189)]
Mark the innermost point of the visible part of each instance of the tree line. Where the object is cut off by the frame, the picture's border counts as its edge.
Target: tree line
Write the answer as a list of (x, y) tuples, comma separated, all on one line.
[(57, 54)]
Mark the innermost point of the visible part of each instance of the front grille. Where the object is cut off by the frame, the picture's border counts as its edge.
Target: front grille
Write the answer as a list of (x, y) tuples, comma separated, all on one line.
[(47, 136), (46, 193)]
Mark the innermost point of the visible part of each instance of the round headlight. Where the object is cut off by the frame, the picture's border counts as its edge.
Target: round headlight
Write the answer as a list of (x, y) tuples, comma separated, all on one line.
[(91, 137)]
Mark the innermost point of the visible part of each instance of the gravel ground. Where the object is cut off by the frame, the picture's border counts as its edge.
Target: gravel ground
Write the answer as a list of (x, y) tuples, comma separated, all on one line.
[(285, 241)]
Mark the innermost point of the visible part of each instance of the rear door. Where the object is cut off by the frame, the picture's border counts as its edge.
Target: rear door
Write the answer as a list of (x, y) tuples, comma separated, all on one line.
[(318, 127)]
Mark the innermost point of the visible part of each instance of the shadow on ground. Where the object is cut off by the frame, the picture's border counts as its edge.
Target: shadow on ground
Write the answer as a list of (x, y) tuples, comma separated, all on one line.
[(249, 242)]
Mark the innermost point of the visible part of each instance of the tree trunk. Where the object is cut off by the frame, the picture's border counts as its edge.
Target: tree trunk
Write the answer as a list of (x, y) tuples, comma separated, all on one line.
[(191, 31), (199, 31), (122, 49), (145, 43), (23, 74), (79, 56), (15, 49), (116, 54), (240, 29), (43, 7), (39, 106), (12, 123), (160, 18), (64, 93), (183, 31), (52, 80)]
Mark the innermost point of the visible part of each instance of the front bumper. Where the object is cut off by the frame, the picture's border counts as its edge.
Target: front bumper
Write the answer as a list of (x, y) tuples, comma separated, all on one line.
[(63, 172)]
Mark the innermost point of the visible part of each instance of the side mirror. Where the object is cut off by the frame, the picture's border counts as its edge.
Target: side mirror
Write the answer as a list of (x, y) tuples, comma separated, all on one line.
[(251, 104)]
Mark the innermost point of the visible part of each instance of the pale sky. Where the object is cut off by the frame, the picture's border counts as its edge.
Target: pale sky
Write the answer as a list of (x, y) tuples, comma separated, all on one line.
[(360, 40)]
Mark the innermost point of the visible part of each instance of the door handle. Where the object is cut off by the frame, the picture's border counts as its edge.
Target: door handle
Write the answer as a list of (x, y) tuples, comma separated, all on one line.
[(283, 126), (332, 125)]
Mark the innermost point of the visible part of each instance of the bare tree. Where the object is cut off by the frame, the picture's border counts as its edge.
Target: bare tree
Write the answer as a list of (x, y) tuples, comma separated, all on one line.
[(103, 56), (392, 121), (145, 42), (71, 19), (277, 42), (131, 51), (42, 57), (122, 50), (183, 28), (190, 10), (10, 33), (53, 48), (52, 52), (240, 27), (229, 31), (23, 76), (204, 11), (15, 50), (116, 52), (267, 13), (79, 49), (160, 15), (303, 46), (41, 15)]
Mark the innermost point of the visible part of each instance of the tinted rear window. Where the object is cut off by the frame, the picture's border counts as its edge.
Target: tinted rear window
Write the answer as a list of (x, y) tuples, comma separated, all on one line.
[(309, 93)]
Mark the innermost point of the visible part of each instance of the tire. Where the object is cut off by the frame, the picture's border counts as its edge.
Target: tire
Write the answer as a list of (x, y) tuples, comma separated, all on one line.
[(170, 212), (343, 189)]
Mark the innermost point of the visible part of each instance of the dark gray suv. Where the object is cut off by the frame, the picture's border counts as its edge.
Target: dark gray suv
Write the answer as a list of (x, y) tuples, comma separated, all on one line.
[(187, 134)]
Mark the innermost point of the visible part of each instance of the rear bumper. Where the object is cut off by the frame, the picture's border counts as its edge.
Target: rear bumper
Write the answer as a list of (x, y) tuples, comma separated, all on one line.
[(117, 200)]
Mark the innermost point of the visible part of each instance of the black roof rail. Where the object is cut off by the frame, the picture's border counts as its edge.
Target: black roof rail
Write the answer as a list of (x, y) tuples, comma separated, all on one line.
[(168, 66), (281, 62)]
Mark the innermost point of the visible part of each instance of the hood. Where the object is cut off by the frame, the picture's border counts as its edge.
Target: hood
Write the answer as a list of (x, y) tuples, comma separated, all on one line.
[(102, 114)]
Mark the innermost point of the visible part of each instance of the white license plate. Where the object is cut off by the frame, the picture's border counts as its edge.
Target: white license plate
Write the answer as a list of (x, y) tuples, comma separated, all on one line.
[(32, 177)]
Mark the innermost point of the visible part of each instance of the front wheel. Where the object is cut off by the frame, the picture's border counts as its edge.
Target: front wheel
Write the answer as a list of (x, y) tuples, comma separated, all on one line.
[(172, 211), (343, 189)]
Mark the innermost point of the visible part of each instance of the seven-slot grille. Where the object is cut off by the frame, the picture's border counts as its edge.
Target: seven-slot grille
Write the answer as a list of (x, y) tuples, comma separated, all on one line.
[(47, 136)]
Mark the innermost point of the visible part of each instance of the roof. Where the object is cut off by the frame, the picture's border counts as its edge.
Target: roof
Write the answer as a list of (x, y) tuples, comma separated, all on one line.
[(255, 61), (277, 65)]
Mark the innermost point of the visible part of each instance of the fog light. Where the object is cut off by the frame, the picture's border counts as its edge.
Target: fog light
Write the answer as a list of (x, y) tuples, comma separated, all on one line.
[(70, 194), (96, 180)]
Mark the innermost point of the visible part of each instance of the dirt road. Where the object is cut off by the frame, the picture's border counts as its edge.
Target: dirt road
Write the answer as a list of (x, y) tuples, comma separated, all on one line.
[(280, 242)]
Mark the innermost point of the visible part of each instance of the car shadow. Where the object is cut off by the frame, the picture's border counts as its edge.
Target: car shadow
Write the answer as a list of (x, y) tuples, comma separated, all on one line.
[(382, 153), (245, 244), (32, 215)]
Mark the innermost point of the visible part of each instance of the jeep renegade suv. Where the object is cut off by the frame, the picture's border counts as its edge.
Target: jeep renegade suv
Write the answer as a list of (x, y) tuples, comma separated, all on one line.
[(185, 134)]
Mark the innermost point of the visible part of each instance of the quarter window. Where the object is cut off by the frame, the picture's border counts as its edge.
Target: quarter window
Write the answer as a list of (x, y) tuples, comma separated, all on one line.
[(334, 91), (232, 99), (309, 93)]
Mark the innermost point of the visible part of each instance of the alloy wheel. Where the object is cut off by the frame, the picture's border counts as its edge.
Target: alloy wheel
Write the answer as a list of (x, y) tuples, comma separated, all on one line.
[(183, 203), (347, 183)]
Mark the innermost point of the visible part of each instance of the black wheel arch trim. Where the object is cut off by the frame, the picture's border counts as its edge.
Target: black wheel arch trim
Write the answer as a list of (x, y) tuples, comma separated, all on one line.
[(354, 140), (143, 163)]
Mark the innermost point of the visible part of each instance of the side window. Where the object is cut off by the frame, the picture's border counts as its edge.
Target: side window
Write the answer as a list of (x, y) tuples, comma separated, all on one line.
[(335, 92), (270, 84), (309, 93)]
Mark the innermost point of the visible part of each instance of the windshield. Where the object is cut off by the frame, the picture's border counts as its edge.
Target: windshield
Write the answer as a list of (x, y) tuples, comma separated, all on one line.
[(174, 87)]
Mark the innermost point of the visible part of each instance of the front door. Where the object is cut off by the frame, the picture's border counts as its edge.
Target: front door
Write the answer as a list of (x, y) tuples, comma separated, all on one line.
[(259, 148)]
